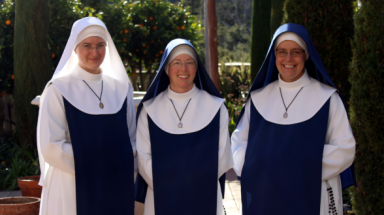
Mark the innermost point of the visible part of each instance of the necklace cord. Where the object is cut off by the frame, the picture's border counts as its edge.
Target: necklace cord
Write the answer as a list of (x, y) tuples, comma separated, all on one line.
[(184, 109), (286, 108), (94, 91)]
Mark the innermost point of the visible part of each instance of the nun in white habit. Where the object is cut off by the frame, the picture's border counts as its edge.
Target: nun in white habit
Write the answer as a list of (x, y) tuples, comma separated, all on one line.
[(86, 130), (183, 143), (293, 139)]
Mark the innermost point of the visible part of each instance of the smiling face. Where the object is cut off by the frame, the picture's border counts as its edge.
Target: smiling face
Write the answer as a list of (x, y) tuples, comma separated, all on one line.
[(290, 68), (91, 54), (181, 79)]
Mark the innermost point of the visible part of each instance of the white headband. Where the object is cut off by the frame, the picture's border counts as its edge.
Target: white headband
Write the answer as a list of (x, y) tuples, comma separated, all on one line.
[(293, 37), (181, 49), (91, 31)]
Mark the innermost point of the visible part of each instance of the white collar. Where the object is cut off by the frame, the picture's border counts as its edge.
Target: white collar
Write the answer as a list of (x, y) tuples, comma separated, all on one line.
[(301, 82), (86, 76), (181, 96), (201, 110), (312, 97), (76, 92)]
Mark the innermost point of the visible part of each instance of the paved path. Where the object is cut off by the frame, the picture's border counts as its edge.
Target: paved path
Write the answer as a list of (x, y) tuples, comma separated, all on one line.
[(232, 200), (10, 193)]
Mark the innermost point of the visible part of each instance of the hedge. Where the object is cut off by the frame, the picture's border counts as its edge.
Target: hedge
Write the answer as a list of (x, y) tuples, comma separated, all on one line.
[(260, 34), (330, 24), (367, 107)]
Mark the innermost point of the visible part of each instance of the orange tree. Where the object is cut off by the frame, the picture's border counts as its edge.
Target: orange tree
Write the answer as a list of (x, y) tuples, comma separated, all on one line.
[(7, 21), (140, 31), (63, 14), (145, 28)]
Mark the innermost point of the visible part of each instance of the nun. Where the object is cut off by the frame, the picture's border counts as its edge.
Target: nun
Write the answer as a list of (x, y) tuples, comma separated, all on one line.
[(183, 143), (293, 139), (86, 128)]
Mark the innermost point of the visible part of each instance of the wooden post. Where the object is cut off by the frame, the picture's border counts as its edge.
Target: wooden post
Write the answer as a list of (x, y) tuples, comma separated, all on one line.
[(211, 55)]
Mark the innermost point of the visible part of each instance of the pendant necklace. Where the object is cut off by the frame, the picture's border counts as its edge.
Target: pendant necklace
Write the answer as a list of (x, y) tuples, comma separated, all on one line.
[(285, 115), (101, 105), (180, 125)]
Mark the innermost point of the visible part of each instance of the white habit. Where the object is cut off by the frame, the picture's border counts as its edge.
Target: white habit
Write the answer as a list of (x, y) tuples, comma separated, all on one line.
[(339, 146), (59, 193), (200, 112)]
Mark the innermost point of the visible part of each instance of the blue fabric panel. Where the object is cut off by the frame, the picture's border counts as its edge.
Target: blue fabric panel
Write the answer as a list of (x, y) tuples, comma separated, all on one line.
[(140, 189), (283, 166), (184, 170), (348, 177), (103, 161)]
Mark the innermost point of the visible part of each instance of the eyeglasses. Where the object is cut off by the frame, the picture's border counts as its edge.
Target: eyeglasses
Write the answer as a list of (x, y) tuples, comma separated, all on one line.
[(179, 64), (89, 48), (293, 53)]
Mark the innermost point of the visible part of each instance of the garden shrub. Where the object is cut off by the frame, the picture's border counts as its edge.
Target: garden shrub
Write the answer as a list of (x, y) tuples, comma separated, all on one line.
[(145, 29), (367, 107), (330, 25), (235, 83), (16, 162)]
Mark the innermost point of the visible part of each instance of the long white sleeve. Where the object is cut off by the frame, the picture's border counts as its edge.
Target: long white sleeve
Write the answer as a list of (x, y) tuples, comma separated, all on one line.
[(144, 152), (131, 122), (240, 140), (339, 148), (131, 119), (55, 142), (225, 154)]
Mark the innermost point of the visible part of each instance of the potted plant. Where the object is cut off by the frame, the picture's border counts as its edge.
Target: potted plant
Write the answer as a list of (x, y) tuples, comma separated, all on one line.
[(17, 166), (29, 186)]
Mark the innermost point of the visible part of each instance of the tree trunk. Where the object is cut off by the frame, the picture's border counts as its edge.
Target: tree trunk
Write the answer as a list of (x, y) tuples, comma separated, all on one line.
[(260, 34), (211, 54), (276, 15), (32, 63)]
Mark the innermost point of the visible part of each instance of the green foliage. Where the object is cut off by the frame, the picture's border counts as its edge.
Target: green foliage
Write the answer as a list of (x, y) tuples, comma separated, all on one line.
[(260, 36), (234, 42), (32, 63), (367, 107), (276, 15), (330, 24), (16, 162), (140, 30), (146, 27), (233, 27), (63, 14), (235, 83), (7, 23)]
